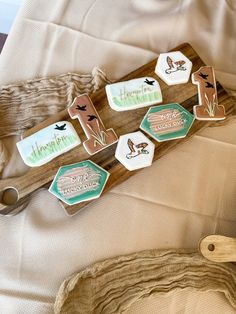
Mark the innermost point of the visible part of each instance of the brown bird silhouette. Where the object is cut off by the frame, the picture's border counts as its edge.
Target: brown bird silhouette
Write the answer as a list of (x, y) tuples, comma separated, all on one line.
[(136, 150), (174, 66)]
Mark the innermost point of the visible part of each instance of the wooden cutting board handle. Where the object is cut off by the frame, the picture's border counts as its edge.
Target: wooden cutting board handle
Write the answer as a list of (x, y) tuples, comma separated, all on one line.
[(16, 192), (218, 248)]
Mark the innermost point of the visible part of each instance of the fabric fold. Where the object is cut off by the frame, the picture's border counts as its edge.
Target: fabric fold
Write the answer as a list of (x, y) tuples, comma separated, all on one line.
[(113, 285), (35, 100)]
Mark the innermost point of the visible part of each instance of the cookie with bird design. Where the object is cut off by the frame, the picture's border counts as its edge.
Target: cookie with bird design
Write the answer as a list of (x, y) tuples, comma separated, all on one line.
[(133, 94), (167, 122), (134, 151), (207, 108), (98, 138), (48, 143), (173, 68)]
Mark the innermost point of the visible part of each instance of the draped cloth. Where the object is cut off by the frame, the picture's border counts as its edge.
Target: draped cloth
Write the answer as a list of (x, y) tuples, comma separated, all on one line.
[(114, 285), (187, 194)]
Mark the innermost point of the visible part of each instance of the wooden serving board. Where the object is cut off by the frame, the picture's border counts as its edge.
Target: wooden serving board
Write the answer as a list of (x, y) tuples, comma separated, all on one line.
[(122, 123)]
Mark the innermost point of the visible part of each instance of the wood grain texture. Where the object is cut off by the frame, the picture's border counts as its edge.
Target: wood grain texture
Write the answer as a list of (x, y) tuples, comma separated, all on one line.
[(218, 248), (122, 123)]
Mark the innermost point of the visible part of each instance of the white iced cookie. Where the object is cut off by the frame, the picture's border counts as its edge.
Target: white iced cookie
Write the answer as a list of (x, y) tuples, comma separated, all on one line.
[(135, 151), (173, 68), (133, 94), (48, 143)]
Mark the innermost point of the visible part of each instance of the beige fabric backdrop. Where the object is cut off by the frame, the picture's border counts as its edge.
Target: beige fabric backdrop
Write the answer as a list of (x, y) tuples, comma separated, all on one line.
[(185, 195)]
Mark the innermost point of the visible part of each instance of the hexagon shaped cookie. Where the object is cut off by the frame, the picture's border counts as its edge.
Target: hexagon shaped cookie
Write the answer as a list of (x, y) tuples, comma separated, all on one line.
[(173, 68), (79, 182), (135, 151), (167, 122)]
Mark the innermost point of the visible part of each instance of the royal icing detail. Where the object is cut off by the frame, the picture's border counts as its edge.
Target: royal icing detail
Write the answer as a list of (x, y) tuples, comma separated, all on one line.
[(79, 182), (98, 137), (133, 94), (208, 108), (135, 151), (173, 68), (48, 143), (167, 122)]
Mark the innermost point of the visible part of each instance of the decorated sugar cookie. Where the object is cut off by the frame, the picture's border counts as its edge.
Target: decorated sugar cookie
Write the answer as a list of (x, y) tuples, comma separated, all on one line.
[(79, 182), (98, 137), (135, 151), (48, 143), (208, 108), (133, 94), (173, 68), (167, 122)]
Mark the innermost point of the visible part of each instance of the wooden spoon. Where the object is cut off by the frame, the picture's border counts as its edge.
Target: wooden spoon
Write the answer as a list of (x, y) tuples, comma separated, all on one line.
[(218, 248)]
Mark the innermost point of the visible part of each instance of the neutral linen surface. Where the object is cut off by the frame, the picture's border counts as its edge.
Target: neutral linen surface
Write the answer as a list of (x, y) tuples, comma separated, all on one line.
[(185, 195)]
